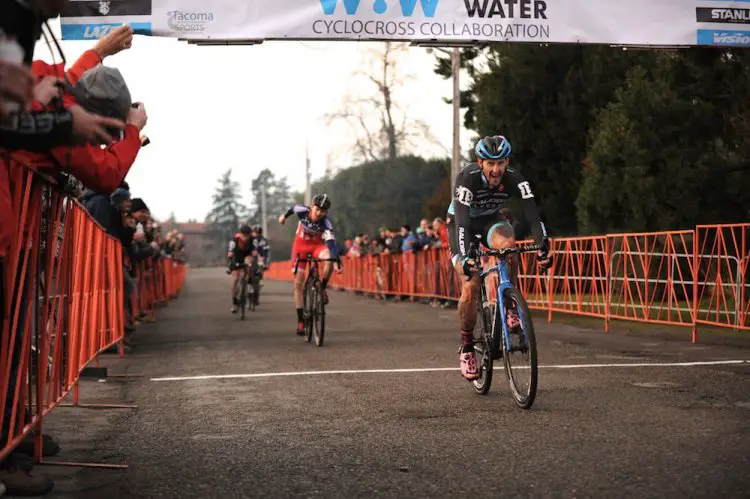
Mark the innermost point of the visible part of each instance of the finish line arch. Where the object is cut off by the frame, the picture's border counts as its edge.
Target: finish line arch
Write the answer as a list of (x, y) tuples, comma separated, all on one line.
[(643, 23)]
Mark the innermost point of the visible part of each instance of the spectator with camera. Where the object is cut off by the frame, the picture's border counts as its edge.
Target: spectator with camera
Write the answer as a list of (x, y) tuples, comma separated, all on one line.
[(100, 89)]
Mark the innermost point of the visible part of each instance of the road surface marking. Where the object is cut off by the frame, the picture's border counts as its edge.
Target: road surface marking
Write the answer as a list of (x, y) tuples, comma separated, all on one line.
[(434, 369)]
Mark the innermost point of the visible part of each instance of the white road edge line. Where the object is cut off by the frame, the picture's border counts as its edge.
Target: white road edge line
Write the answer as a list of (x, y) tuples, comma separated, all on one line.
[(433, 369)]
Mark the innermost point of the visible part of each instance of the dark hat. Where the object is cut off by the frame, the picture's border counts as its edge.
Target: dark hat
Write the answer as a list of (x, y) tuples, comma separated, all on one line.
[(138, 205), (102, 90), (119, 196)]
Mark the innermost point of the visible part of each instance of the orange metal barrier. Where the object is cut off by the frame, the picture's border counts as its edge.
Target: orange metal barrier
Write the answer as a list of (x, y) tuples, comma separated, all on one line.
[(62, 302), (680, 278), (159, 281), (721, 293)]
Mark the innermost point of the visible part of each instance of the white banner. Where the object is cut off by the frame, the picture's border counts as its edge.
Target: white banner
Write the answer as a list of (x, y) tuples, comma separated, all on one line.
[(617, 22)]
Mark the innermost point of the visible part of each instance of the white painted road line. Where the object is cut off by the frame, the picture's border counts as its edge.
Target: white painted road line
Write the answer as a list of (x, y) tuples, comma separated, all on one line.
[(434, 369)]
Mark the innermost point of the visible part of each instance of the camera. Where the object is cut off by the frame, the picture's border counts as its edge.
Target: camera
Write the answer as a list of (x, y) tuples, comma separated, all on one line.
[(144, 140)]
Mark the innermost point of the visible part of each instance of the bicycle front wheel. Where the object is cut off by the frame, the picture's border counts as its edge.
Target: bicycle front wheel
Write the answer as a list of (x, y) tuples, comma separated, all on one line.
[(319, 315), (519, 357), (310, 303)]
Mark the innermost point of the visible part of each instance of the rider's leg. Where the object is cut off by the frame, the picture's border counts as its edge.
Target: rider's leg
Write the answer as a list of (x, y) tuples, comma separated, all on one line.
[(327, 269), (235, 282), (299, 282), (467, 308), (467, 311)]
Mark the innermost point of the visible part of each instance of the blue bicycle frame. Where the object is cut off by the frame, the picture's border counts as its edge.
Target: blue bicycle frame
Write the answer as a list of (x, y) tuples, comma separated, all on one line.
[(500, 313)]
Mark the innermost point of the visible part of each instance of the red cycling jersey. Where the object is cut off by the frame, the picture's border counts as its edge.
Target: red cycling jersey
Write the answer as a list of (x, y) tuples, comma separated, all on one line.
[(311, 237)]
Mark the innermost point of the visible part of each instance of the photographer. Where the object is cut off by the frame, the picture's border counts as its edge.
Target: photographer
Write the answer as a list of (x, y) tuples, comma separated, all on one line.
[(20, 28), (104, 91)]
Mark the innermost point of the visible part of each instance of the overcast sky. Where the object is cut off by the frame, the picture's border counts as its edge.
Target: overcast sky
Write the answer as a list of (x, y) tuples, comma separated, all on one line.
[(249, 108)]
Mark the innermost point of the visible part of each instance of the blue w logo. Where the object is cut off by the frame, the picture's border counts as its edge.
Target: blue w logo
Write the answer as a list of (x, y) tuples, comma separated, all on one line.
[(381, 6)]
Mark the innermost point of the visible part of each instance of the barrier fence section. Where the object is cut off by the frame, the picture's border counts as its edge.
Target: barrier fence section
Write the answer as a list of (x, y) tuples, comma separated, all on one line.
[(677, 278), (62, 301)]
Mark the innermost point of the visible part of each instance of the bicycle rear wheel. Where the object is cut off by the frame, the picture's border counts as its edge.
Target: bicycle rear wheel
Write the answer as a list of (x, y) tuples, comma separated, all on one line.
[(250, 295), (319, 315), (243, 298), (253, 286), (482, 347), (310, 299), (520, 359)]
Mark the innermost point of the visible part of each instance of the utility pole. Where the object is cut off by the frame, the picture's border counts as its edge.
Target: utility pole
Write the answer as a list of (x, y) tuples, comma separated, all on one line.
[(263, 214), (308, 187), (456, 164)]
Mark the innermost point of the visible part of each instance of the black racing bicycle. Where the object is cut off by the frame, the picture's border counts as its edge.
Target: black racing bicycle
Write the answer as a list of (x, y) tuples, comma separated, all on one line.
[(248, 287), (313, 308)]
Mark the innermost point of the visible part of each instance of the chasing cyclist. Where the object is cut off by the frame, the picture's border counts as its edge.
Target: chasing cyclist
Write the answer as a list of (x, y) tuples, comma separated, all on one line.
[(260, 246), (476, 212), (240, 251), (314, 236)]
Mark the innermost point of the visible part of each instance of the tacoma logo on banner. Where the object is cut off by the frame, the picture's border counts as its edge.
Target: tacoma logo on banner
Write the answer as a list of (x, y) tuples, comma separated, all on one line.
[(188, 22), (380, 7)]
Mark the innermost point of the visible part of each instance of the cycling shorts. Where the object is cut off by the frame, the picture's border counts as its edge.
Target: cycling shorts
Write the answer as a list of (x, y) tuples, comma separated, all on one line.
[(239, 257), (480, 230), (302, 248)]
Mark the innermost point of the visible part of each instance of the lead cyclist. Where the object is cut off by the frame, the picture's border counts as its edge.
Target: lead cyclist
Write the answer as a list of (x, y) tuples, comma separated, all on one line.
[(477, 211)]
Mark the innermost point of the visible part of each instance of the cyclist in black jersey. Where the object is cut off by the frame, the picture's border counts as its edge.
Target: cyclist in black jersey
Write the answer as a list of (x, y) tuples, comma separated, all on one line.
[(240, 251), (260, 245), (477, 214)]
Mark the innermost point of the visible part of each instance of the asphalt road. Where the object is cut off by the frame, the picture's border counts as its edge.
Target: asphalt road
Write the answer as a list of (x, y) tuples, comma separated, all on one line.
[(636, 431)]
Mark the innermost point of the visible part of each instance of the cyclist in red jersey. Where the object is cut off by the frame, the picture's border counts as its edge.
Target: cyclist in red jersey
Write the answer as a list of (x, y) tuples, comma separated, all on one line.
[(314, 236)]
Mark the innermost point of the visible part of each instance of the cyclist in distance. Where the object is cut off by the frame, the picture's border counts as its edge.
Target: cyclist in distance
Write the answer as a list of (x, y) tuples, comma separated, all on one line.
[(240, 251), (315, 236), (476, 213), (263, 250)]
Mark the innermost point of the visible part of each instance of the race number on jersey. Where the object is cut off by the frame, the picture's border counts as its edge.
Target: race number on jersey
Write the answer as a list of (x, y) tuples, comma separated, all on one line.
[(525, 189), (464, 195)]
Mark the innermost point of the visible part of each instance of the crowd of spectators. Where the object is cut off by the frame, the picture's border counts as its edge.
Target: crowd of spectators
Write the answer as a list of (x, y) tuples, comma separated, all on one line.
[(401, 240), (79, 127), (129, 220)]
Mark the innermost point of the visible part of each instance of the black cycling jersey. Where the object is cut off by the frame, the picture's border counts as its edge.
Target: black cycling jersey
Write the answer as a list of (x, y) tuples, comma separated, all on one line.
[(260, 244), (475, 202), (239, 247)]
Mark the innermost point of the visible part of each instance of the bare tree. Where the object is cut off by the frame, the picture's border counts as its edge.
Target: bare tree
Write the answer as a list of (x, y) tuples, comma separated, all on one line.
[(394, 132)]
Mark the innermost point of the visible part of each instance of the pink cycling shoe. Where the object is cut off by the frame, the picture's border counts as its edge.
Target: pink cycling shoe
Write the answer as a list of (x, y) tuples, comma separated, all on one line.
[(469, 368)]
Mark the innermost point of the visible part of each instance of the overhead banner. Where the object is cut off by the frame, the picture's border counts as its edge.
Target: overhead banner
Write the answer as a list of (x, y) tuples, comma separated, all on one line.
[(612, 22)]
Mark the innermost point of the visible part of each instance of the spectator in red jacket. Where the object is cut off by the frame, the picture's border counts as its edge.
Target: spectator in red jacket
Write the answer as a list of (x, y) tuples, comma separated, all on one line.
[(98, 89), (441, 230)]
